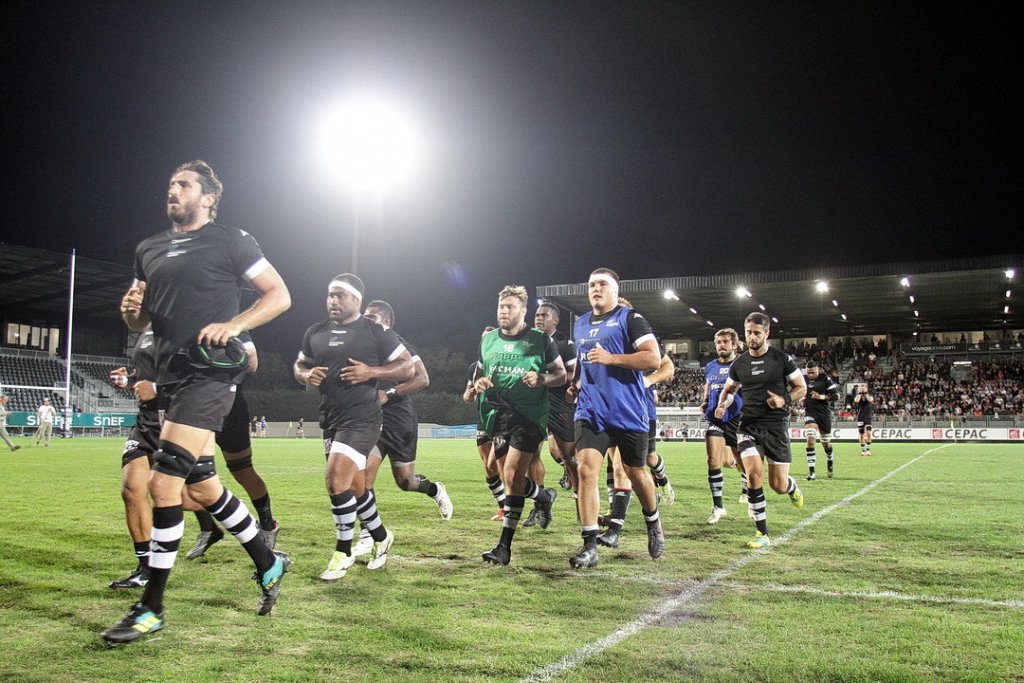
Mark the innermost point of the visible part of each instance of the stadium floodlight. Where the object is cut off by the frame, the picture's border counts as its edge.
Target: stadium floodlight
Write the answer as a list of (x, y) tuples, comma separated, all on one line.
[(710, 324), (821, 286), (1007, 294), (693, 310), (1010, 273), (835, 303), (671, 295), (843, 316), (905, 282), (1006, 308), (743, 291), (761, 306), (367, 144), (911, 298), (774, 319), (916, 314)]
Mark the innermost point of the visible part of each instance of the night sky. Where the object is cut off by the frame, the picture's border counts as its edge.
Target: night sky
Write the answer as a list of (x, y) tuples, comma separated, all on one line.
[(659, 139)]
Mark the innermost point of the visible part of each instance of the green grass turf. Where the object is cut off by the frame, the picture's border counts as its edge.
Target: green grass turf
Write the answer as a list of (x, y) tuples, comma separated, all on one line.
[(948, 526)]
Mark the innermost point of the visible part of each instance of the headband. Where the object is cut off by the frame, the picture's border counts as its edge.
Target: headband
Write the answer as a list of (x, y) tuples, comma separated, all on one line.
[(606, 278), (346, 286)]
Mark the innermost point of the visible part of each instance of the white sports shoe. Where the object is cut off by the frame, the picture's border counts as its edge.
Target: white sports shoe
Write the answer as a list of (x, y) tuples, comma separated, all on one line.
[(668, 494), (337, 567), (444, 503), (363, 545), (716, 515), (380, 551)]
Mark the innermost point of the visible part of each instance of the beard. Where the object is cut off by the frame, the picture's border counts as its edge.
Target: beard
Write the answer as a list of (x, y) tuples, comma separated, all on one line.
[(182, 214)]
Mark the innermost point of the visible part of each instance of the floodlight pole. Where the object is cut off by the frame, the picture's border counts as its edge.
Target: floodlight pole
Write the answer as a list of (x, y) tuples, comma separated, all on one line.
[(67, 360), (355, 234)]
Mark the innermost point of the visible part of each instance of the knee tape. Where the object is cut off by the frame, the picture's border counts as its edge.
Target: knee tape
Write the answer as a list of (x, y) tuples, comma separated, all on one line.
[(202, 471), (173, 460), (239, 464)]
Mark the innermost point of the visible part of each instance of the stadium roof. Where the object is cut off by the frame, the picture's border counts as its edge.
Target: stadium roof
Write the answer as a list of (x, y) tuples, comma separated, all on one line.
[(34, 284), (952, 295)]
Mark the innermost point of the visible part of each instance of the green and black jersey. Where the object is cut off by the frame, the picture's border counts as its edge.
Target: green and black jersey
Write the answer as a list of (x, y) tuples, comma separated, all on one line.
[(505, 360)]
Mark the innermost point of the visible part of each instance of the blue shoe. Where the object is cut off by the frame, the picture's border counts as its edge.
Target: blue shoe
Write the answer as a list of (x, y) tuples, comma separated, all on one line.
[(270, 582), (139, 621)]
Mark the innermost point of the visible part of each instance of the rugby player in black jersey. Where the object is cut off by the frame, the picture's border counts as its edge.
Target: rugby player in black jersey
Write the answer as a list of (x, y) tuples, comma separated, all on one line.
[(399, 437), (821, 392), (137, 456), (771, 382), (561, 440), (345, 357), (187, 285), (484, 443), (234, 441), (864, 402)]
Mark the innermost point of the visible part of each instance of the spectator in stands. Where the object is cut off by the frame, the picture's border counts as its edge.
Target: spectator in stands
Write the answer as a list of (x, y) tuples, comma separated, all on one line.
[(3, 424), (45, 415)]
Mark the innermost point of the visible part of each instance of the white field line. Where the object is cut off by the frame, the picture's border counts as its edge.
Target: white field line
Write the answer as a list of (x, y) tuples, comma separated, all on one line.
[(691, 593), (875, 595)]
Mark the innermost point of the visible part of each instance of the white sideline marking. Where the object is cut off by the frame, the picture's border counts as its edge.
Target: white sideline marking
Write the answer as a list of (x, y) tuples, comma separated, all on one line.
[(875, 595), (691, 593)]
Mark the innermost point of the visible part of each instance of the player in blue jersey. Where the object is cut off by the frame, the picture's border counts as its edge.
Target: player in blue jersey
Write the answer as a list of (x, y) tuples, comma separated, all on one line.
[(720, 437), (615, 346)]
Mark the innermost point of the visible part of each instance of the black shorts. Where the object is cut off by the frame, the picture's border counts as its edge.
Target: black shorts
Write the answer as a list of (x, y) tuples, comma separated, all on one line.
[(199, 402), (482, 437), (399, 446), (824, 422), (356, 438), (724, 429), (652, 437), (561, 427), (234, 436), (512, 430), (141, 443), (771, 441), (864, 426), (632, 445)]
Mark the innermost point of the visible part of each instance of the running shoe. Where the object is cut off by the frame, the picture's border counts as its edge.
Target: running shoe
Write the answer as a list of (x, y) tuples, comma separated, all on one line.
[(338, 566), (203, 542), (137, 579), (139, 621), (444, 503), (716, 515), (379, 553)]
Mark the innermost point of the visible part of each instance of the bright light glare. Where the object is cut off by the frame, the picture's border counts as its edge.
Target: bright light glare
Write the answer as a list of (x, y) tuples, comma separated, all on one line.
[(822, 286), (743, 291), (843, 316), (1010, 273), (669, 294), (905, 282), (761, 306), (1006, 309), (693, 310), (710, 324), (911, 298), (368, 145), (916, 314), (775, 320), (835, 303), (1007, 294)]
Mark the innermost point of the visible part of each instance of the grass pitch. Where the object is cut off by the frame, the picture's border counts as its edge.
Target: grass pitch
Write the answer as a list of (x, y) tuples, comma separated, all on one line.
[(914, 576)]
